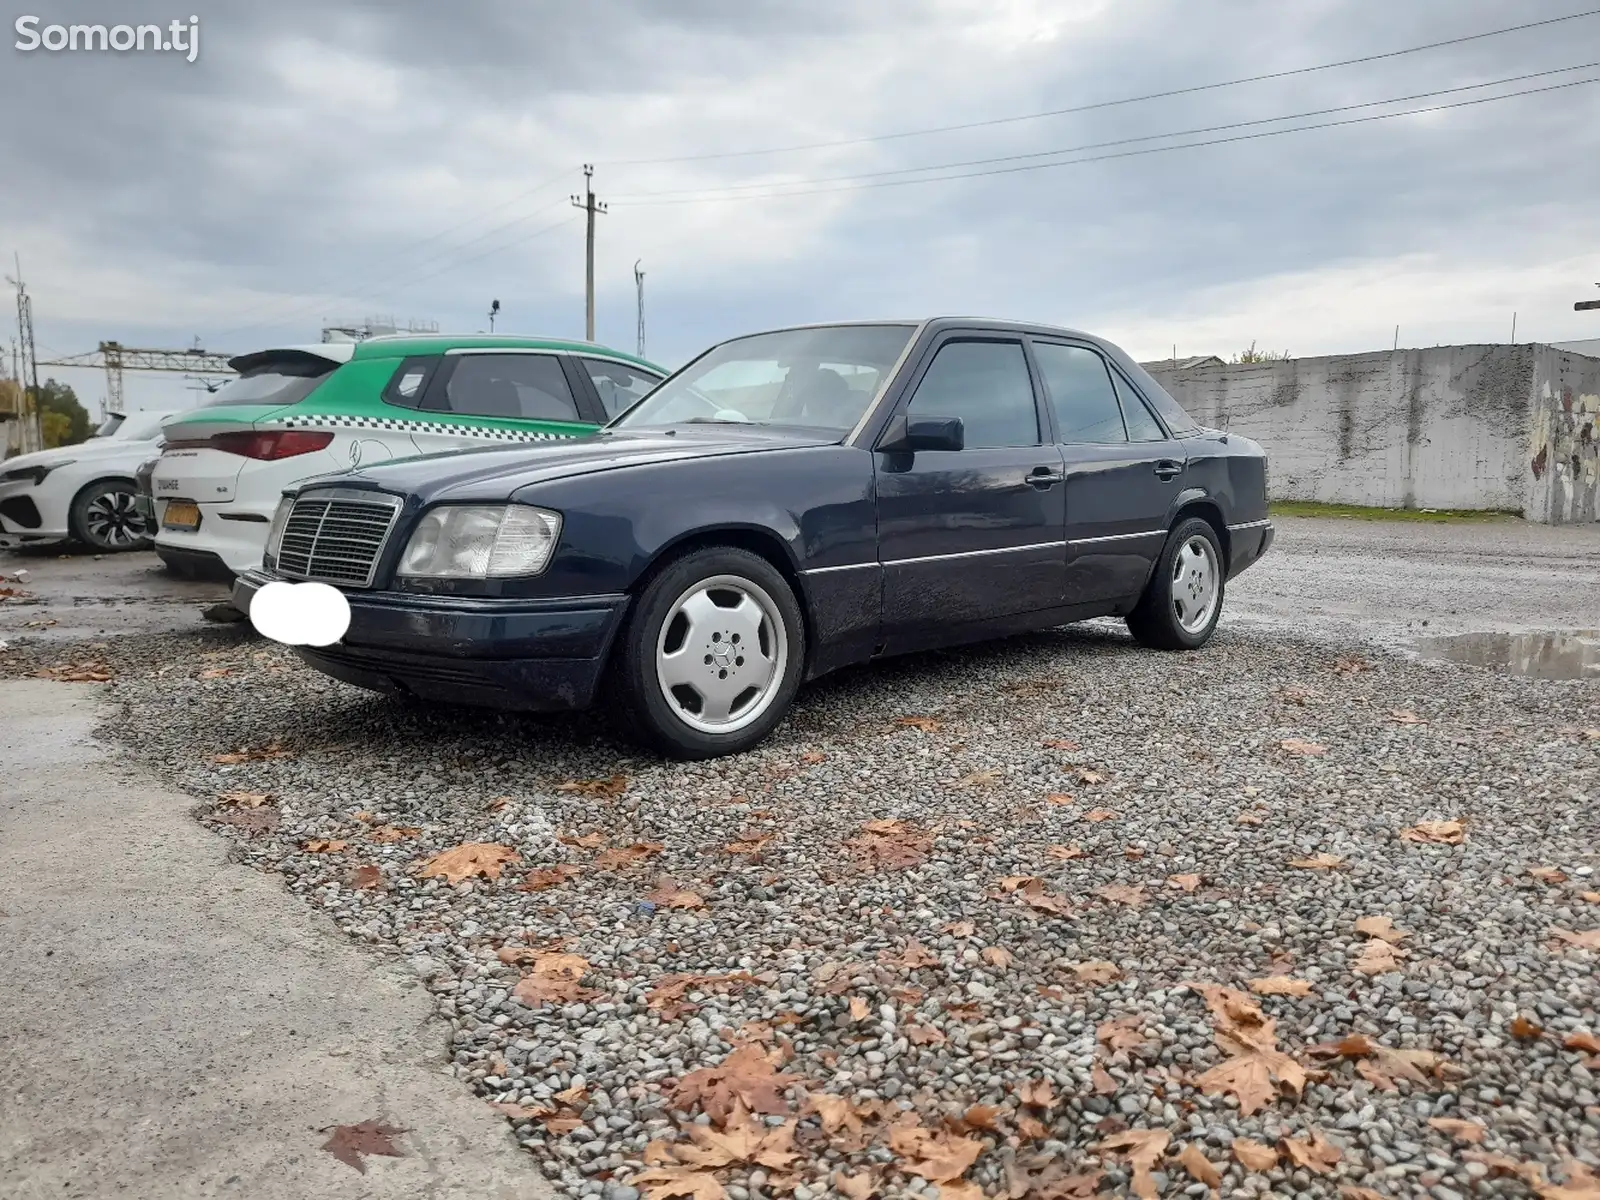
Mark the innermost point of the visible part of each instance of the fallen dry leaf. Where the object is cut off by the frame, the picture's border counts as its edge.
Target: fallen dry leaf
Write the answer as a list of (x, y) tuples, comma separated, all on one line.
[(1086, 776), (1184, 883), (1037, 898), (83, 672), (1582, 1182), (960, 929), (1525, 1030), (1124, 894), (1100, 1079), (1377, 958), (1549, 875), (1381, 927), (262, 819), (554, 979), (523, 1112), (393, 833), (1134, 853), (1067, 853), (1200, 1168), (1588, 939), (1438, 833), (913, 958), (960, 1189), (1380, 1065), (743, 1140), (467, 860), (666, 1183), (746, 1077), (1280, 985), (366, 878), (1313, 1152), (890, 845), (1318, 862), (543, 879), (1123, 1033), (937, 1155), (1061, 744), (1038, 1093), (1097, 972), (1142, 1148), (1404, 716), (859, 1008), (1468, 1132), (923, 724), (243, 799), (1582, 1040), (996, 956), (256, 754), (1589, 897), (982, 1116), (668, 894), (1100, 814), (1031, 1128), (1256, 1071), (1307, 749), (321, 846), (1251, 818), (1060, 799), (626, 856), (1253, 1156), (216, 673), (599, 789), (349, 1143), (587, 842), (854, 1187), (1350, 666)]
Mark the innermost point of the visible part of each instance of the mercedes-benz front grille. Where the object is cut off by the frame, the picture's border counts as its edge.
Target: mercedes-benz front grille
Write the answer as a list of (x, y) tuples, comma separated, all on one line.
[(336, 536)]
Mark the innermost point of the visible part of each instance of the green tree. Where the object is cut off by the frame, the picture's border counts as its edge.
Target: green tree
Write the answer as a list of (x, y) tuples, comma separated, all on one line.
[(59, 399)]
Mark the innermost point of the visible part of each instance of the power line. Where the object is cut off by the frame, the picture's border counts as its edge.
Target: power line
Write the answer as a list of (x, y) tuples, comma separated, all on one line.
[(1243, 137), (274, 315), (1149, 137), (1079, 108), (406, 274)]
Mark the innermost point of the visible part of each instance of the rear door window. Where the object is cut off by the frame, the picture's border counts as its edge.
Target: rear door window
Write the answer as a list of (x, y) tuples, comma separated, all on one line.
[(619, 384), (276, 382), (525, 387), (1080, 393)]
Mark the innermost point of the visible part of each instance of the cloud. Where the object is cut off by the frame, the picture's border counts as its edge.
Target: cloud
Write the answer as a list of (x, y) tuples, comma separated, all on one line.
[(326, 162)]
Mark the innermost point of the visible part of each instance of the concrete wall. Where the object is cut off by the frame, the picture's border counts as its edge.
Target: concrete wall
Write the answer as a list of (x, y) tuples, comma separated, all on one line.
[(1447, 427), (1564, 438)]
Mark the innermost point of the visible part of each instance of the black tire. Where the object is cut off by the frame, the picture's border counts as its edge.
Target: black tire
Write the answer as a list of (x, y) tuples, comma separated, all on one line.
[(651, 715), (1155, 621), (105, 517)]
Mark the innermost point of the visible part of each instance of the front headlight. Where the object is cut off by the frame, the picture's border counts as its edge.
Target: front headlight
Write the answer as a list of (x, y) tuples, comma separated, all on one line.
[(279, 520), (35, 475), (470, 541)]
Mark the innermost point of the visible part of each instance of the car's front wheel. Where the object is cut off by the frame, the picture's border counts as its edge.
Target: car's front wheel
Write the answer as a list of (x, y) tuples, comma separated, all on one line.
[(1181, 603), (105, 516), (712, 654)]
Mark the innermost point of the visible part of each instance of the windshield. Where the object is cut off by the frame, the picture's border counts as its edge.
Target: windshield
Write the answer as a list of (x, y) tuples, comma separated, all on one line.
[(821, 378), (279, 382), (138, 427)]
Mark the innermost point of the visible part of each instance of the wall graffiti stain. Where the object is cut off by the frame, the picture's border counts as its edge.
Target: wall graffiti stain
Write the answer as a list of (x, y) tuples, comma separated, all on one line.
[(1539, 461)]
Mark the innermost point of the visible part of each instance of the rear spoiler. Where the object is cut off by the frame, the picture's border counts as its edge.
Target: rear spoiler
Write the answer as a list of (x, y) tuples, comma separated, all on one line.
[(332, 353)]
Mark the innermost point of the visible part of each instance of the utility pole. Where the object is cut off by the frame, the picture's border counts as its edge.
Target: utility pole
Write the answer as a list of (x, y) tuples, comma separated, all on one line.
[(590, 205), (28, 368), (494, 311), (638, 284)]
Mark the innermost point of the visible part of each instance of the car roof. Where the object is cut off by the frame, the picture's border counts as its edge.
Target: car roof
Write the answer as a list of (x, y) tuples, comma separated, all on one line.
[(937, 324), (400, 345)]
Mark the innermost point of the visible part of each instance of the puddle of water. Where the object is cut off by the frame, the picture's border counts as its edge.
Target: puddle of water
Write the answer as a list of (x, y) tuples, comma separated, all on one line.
[(1569, 654)]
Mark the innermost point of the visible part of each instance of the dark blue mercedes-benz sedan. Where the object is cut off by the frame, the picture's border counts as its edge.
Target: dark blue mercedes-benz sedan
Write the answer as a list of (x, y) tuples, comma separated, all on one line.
[(786, 504)]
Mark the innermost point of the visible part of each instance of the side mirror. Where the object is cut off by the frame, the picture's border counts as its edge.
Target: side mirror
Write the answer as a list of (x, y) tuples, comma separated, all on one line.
[(907, 435)]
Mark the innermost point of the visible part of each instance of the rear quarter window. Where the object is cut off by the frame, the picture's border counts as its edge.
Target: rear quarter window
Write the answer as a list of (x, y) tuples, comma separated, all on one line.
[(410, 381)]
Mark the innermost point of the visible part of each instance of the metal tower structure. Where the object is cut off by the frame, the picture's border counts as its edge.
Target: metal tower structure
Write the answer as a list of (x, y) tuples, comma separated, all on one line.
[(115, 358)]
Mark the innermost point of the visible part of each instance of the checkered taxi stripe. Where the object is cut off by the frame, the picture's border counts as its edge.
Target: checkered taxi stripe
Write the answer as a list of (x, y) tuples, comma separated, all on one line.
[(489, 432)]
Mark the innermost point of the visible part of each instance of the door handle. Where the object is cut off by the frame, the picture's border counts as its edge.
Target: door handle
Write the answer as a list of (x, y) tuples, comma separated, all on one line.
[(1167, 468), (1043, 477)]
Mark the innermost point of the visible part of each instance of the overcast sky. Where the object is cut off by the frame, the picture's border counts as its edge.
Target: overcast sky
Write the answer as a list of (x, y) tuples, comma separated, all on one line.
[(323, 162)]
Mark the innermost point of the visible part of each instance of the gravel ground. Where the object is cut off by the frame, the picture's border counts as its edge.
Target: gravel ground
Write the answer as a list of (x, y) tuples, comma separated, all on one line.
[(994, 984)]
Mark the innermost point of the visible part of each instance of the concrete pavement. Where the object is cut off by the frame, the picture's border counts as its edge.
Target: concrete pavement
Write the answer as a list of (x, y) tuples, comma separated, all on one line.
[(173, 1025)]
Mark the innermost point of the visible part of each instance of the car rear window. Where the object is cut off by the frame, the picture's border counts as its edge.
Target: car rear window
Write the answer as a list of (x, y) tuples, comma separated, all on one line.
[(276, 382)]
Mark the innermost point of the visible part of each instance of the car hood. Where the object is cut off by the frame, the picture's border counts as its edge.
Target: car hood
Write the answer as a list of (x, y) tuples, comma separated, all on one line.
[(94, 448), (495, 472)]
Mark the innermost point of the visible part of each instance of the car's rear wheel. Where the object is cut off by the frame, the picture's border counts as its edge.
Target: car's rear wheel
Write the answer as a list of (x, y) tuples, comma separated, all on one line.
[(712, 654), (1181, 603), (105, 516)]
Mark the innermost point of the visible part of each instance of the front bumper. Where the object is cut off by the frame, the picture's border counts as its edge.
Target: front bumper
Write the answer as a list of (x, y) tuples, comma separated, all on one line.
[(530, 655), (28, 516)]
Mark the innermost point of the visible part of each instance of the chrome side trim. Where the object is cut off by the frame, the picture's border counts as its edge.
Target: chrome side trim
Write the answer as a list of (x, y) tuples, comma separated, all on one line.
[(1118, 537), (901, 562), (1261, 524), (845, 567)]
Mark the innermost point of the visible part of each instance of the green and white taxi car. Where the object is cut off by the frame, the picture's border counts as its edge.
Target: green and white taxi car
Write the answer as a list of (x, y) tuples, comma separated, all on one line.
[(296, 412)]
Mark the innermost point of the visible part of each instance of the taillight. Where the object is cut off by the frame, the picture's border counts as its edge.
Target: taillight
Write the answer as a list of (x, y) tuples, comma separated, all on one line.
[(282, 443)]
